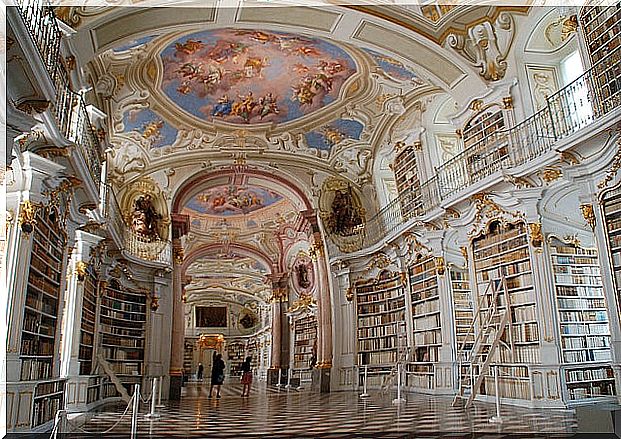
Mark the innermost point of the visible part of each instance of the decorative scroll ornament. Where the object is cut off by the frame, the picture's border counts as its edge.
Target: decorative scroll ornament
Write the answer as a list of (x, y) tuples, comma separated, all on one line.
[(379, 261), (483, 48), (486, 211), (208, 341), (536, 235), (27, 213), (616, 164), (279, 294), (155, 303), (440, 265), (589, 214), (303, 304), (349, 294)]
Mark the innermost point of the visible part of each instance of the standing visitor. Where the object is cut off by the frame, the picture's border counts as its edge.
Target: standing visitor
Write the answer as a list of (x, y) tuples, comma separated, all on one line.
[(199, 373), (217, 375), (246, 378)]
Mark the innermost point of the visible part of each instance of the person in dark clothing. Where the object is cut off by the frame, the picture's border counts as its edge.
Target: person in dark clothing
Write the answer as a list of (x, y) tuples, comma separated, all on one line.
[(217, 374), (246, 378), (199, 373)]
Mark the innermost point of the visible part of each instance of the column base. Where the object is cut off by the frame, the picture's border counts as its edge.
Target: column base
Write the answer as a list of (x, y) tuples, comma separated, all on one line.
[(174, 390), (321, 380)]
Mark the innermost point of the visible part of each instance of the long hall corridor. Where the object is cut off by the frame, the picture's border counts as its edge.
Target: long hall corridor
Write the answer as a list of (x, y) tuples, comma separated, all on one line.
[(270, 412)]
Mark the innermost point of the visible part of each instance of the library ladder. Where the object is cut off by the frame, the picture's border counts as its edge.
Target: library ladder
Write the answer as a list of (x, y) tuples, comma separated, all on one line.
[(115, 379), (389, 380), (474, 363)]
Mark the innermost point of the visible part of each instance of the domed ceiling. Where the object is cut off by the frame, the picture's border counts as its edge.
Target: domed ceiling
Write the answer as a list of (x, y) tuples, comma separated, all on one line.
[(229, 200), (246, 76)]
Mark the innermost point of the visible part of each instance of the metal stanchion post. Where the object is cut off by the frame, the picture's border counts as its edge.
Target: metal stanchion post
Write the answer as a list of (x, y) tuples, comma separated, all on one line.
[(159, 393), (364, 393), (135, 411), (496, 419), (279, 378), (288, 386), (398, 399), (152, 414)]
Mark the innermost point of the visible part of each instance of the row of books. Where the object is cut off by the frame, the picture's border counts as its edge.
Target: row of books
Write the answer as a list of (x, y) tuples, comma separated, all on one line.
[(582, 303), (578, 279), (45, 409), (122, 342), (583, 316), (589, 374), (126, 368), (577, 270), (37, 346), (586, 355), (382, 296), (501, 247), (36, 369), (380, 331), (377, 358), (39, 324), (122, 354), (393, 317), (526, 332), (42, 283), (581, 291), (379, 343), (424, 295), (430, 321), (501, 234), (427, 337), (524, 313), (115, 330), (508, 387), (123, 315), (600, 341), (381, 307), (573, 250), (373, 287), (127, 296), (123, 306), (46, 255), (37, 303), (426, 307), (591, 391), (48, 269), (517, 255), (597, 329)]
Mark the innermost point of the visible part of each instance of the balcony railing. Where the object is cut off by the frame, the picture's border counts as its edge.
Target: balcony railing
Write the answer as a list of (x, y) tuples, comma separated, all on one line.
[(68, 109), (152, 250), (589, 98)]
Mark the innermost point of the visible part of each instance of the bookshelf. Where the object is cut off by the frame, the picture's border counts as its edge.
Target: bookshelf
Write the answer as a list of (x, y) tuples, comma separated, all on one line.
[(477, 135), (48, 398), (503, 251), (463, 308), (406, 177), (93, 390), (612, 214), (43, 294), (188, 356), (87, 325), (236, 352), (380, 307), (602, 34), (594, 381), (582, 311), (427, 336), (305, 335), (122, 330)]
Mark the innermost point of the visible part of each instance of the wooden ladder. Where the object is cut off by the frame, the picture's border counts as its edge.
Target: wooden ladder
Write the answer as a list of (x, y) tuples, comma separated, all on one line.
[(474, 364), (107, 368)]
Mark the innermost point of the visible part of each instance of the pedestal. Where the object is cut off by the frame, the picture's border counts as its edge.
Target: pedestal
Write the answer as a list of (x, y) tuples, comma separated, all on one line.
[(174, 393)]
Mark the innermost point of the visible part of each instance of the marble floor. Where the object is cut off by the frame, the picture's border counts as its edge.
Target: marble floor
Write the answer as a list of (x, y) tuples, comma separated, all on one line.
[(270, 412)]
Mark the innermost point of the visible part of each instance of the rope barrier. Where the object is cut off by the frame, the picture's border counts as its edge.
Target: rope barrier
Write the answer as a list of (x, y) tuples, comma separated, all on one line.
[(77, 427)]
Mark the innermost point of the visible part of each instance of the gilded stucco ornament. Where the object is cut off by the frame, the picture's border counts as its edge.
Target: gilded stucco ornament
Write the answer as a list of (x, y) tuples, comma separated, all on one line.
[(26, 218), (81, 268), (440, 264), (550, 174), (342, 214), (486, 46), (536, 235), (588, 214)]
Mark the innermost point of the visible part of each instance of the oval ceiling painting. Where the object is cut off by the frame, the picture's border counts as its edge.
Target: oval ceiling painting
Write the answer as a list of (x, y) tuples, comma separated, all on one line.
[(227, 200), (250, 77)]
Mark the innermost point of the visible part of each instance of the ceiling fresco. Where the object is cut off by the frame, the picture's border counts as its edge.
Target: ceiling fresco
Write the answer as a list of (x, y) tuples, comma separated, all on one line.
[(150, 126), (394, 68), (251, 77), (131, 44), (229, 200), (333, 133)]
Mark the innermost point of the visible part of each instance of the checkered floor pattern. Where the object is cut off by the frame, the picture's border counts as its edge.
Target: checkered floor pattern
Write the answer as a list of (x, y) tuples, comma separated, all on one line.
[(270, 412)]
